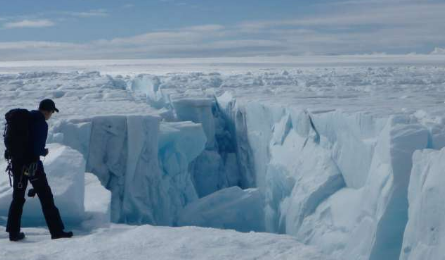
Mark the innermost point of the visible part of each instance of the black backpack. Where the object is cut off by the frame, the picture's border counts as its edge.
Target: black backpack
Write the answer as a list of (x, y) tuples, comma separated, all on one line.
[(17, 137)]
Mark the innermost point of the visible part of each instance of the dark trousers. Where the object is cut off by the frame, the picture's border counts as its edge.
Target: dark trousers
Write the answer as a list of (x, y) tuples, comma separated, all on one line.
[(41, 187)]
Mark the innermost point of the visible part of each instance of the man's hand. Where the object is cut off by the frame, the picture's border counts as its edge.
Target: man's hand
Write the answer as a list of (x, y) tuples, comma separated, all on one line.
[(46, 152)]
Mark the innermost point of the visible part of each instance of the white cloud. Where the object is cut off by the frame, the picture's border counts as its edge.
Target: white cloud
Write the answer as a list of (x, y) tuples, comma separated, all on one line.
[(23, 45), (386, 27), (205, 28), (199, 41), (388, 15), (91, 13), (155, 38), (390, 28), (361, 2), (29, 24)]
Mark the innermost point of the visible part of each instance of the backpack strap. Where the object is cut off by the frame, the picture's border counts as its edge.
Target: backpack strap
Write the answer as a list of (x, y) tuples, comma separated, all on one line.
[(9, 171), (7, 157)]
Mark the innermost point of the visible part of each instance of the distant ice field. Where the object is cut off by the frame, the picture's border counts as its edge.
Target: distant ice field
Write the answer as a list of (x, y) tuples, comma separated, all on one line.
[(377, 84), (220, 64)]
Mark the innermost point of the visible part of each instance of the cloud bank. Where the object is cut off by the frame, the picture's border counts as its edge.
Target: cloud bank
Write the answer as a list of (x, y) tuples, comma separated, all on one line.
[(351, 27), (29, 24)]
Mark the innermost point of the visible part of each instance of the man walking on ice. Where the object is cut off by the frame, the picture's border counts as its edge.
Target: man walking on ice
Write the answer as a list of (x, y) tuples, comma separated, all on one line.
[(27, 166)]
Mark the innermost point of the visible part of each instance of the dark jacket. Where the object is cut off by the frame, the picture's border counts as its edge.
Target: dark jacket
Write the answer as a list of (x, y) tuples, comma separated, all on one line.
[(38, 134)]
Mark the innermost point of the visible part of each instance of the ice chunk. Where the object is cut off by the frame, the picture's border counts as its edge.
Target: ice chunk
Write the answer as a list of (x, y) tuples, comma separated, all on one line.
[(384, 212), (330, 225), (300, 175), (97, 203), (347, 134), (179, 144), (109, 164), (97, 198), (142, 175), (73, 133), (209, 169), (231, 208), (185, 137), (258, 120), (198, 111), (149, 88), (423, 238), (143, 163), (208, 173), (123, 154)]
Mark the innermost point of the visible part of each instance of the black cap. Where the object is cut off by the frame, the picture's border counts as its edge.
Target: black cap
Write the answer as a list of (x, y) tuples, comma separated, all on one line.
[(48, 105)]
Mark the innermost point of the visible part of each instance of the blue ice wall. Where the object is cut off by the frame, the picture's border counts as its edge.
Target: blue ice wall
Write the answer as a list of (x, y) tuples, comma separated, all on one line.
[(142, 162)]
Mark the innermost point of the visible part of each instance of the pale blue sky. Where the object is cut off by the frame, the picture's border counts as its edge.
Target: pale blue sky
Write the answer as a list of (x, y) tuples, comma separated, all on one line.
[(115, 29)]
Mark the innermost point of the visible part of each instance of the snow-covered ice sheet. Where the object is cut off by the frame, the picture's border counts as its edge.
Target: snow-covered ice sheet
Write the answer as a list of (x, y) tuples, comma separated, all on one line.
[(229, 64), (120, 242), (76, 94), (328, 147)]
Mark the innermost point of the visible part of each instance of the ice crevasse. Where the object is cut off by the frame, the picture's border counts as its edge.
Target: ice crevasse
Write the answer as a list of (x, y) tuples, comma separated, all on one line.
[(337, 180), (334, 179)]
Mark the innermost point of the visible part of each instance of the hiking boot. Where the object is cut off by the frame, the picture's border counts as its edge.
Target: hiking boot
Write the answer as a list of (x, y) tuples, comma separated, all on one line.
[(16, 236), (62, 234)]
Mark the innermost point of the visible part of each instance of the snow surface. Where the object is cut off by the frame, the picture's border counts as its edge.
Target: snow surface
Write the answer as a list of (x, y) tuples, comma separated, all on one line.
[(119, 242), (320, 149)]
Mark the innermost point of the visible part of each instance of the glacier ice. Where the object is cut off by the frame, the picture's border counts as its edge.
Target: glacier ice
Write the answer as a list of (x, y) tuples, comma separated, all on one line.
[(230, 208), (97, 204), (383, 214), (142, 161), (327, 151), (424, 232), (217, 166), (148, 88), (308, 164)]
